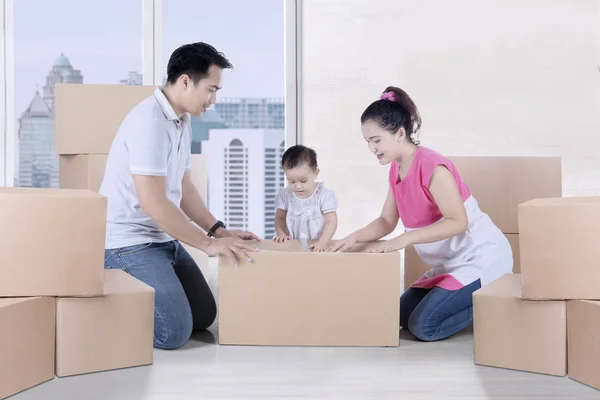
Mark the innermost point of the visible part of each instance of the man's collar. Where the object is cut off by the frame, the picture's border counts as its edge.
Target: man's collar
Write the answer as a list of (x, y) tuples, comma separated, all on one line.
[(166, 107)]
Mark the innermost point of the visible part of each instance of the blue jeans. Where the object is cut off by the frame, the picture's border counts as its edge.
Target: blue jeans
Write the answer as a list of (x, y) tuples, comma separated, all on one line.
[(183, 300), (436, 313)]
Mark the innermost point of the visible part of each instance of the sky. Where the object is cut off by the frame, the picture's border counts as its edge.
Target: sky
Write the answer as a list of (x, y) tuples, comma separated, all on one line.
[(249, 32)]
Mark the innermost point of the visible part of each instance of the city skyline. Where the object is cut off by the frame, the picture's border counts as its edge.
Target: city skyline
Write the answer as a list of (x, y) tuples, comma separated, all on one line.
[(43, 30)]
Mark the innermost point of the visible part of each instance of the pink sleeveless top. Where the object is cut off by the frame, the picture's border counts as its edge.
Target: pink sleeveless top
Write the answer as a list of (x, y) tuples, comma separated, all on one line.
[(483, 252)]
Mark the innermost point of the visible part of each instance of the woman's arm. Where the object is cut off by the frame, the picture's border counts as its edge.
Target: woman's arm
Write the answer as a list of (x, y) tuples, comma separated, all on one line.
[(446, 195), (380, 227)]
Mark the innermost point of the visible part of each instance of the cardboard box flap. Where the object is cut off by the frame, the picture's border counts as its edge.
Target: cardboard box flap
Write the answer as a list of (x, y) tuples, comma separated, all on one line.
[(117, 281), (296, 246), (508, 285), (5, 302), (269, 245), (562, 202)]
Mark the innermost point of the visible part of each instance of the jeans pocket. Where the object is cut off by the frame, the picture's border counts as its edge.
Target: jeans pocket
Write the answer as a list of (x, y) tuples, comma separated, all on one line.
[(129, 250)]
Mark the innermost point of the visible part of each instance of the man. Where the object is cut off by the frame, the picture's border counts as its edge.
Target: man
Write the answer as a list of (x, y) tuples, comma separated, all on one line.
[(151, 198)]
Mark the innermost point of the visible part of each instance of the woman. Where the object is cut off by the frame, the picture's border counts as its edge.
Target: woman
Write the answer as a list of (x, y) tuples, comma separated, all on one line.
[(441, 219)]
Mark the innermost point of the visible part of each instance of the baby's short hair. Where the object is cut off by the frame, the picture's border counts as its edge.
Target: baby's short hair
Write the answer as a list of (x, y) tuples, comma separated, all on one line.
[(298, 155)]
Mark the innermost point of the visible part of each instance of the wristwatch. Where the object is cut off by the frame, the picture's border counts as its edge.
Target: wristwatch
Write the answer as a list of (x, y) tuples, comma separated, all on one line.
[(213, 229)]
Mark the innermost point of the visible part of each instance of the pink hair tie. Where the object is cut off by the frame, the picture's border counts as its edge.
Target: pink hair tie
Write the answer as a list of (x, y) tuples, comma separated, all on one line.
[(391, 96)]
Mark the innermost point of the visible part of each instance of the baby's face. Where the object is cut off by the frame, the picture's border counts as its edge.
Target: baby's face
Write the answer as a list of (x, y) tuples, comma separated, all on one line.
[(302, 179)]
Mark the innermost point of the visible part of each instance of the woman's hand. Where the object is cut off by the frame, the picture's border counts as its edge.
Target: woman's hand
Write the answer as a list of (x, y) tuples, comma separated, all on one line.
[(344, 244), (389, 246)]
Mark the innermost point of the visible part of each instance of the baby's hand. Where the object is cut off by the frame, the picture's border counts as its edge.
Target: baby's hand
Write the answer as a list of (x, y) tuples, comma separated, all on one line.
[(281, 239), (319, 247)]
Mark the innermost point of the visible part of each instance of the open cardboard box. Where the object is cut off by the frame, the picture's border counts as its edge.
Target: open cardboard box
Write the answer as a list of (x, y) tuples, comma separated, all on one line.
[(287, 296)]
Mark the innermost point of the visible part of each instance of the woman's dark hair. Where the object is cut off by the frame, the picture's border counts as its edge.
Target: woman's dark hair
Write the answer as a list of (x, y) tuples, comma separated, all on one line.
[(298, 155), (194, 59), (394, 112)]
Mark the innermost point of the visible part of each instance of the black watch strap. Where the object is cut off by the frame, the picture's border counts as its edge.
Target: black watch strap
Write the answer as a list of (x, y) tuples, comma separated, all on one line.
[(213, 229)]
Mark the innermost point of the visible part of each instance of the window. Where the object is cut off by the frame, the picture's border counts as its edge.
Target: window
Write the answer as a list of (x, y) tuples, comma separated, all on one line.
[(45, 42), (64, 41), (250, 106)]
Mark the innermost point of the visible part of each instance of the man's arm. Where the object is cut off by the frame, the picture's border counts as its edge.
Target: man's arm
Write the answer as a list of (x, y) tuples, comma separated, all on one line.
[(193, 205), (152, 194)]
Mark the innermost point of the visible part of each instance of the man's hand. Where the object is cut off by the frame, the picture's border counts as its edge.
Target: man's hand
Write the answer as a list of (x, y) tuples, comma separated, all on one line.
[(281, 238), (244, 235), (233, 248)]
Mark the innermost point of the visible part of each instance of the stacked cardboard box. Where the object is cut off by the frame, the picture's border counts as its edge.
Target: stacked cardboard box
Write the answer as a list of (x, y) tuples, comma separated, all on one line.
[(546, 319), (87, 120), (499, 184), (61, 312)]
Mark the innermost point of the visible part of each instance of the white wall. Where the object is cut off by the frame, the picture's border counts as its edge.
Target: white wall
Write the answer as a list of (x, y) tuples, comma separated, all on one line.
[(490, 77)]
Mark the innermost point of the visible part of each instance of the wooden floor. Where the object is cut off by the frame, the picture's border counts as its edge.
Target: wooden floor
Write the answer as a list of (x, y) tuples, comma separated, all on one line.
[(415, 370)]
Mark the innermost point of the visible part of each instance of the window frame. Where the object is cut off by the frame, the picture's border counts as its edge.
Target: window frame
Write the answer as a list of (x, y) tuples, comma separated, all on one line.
[(152, 29)]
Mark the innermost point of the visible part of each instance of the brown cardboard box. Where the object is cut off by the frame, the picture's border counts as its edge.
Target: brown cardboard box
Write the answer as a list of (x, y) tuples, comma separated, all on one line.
[(199, 174), (52, 243), (414, 267), (583, 325), (559, 248), (501, 183), (513, 239), (108, 332), (26, 343), (290, 297), (84, 171), (88, 116), (517, 334)]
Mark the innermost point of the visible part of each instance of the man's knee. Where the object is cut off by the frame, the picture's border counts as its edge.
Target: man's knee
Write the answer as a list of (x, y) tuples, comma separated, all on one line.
[(172, 332), (204, 318)]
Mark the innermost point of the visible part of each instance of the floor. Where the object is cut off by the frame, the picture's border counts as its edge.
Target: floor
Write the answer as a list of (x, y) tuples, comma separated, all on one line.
[(415, 370)]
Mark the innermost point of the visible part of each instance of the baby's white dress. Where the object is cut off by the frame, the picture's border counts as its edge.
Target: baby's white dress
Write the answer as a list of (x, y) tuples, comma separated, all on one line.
[(306, 217)]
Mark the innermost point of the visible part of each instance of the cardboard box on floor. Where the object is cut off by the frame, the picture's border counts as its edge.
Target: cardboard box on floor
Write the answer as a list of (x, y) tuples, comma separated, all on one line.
[(108, 332), (501, 183), (26, 343), (296, 298), (414, 267), (559, 248), (513, 333), (52, 242), (583, 325), (88, 116)]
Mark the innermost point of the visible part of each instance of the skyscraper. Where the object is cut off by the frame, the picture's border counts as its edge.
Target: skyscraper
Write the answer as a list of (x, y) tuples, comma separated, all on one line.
[(61, 72), (244, 177), (37, 159), (38, 163)]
